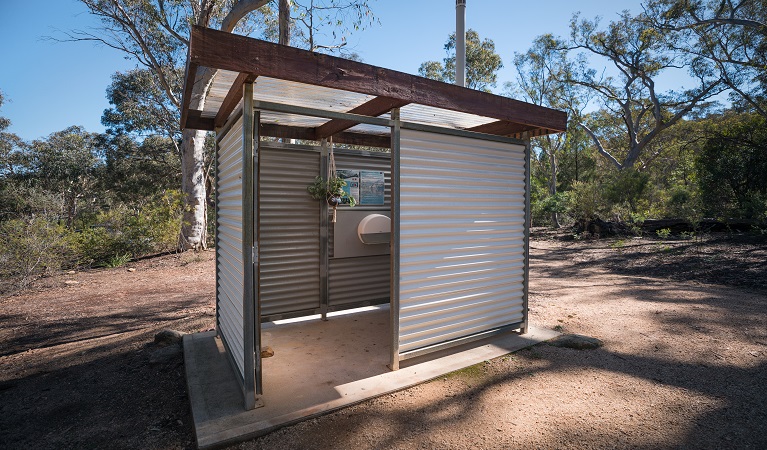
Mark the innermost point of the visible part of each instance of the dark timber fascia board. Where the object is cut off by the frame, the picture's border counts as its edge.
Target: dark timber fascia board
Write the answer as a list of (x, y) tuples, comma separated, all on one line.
[(501, 127), (220, 50), (196, 122)]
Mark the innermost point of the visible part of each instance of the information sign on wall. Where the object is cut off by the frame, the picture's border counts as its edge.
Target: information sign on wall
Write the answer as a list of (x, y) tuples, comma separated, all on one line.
[(371, 187), (352, 188)]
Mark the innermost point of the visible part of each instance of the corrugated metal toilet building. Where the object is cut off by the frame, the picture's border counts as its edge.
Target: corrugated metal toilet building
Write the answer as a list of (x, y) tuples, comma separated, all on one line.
[(440, 229)]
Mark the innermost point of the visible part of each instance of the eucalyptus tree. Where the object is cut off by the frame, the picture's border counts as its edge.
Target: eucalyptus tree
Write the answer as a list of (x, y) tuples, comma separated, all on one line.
[(12, 196), (541, 72), (726, 36), (638, 55), (140, 107), (482, 63), (9, 145), (66, 163), (155, 33)]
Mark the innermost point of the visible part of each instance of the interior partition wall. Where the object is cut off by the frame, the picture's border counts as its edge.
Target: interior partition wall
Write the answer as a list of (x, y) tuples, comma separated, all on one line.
[(291, 229), (461, 241)]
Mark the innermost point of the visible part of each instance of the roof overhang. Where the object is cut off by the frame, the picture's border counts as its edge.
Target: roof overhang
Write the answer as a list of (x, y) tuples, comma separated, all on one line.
[(300, 78)]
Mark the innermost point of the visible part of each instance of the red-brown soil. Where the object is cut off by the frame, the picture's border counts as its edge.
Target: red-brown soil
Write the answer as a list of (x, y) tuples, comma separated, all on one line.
[(684, 363)]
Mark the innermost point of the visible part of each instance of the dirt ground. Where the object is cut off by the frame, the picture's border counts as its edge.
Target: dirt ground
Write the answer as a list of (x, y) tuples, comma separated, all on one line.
[(684, 363)]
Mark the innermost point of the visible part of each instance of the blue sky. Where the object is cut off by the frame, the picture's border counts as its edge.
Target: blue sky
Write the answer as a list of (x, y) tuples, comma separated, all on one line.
[(49, 86)]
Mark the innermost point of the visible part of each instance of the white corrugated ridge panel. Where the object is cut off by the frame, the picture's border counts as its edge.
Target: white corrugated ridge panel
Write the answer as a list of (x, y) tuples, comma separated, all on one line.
[(462, 213), (219, 88), (229, 259)]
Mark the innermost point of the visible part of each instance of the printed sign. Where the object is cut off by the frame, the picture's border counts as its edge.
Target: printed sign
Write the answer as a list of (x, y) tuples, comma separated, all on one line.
[(352, 188), (372, 187)]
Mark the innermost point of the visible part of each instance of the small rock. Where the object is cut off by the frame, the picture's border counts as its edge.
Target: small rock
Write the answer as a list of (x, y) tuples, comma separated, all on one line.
[(71, 272), (166, 337), (71, 282), (131, 269), (165, 354), (576, 341), (267, 352)]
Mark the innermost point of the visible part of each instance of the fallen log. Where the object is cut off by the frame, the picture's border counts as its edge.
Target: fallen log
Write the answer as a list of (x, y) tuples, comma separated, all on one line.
[(599, 227)]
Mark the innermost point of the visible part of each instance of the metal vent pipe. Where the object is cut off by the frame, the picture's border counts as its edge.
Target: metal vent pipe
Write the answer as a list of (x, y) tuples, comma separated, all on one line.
[(460, 42)]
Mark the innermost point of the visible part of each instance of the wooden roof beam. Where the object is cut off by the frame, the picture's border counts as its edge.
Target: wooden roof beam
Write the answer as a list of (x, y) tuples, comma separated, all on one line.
[(196, 122), (232, 98), (309, 134), (186, 99), (372, 108), (220, 50)]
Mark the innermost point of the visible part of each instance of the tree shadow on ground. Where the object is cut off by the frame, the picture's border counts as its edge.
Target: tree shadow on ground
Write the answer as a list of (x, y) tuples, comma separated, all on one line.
[(115, 401), (738, 423), (33, 332), (731, 260)]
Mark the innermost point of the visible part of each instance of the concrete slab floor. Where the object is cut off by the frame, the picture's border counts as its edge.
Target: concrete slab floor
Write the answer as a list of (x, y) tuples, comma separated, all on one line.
[(318, 366)]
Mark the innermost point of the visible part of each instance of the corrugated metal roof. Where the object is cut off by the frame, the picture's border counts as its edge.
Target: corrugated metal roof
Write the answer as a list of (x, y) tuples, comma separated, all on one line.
[(322, 98)]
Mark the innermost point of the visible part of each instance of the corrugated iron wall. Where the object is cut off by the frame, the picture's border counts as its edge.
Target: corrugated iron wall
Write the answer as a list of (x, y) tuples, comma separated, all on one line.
[(289, 230), (289, 235), (229, 258), (462, 213), (362, 279)]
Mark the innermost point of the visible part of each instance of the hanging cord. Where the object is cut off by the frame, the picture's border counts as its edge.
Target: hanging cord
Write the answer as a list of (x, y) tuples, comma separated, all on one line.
[(332, 161), (332, 173)]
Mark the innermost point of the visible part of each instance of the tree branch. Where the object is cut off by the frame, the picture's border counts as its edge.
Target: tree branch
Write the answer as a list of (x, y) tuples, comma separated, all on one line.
[(600, 148), (165, 24), (240, 9)]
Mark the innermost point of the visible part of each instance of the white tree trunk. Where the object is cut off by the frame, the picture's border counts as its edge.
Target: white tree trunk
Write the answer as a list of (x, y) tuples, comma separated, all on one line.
[(194, 228)]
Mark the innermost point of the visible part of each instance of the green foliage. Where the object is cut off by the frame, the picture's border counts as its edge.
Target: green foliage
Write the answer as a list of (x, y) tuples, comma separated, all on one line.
[(636, 111), (726, 38), (619, 244), (137, 171), (139, 104), (319, 25), (146, 229), (687, 235), (330, 190), (587, 202), (118, 260), (684, 203), (37, 245), (558, 203), (30, 248), (732, 167), (67, 164), (482, 63), (9, 145), (663, 233), (626, 187)]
